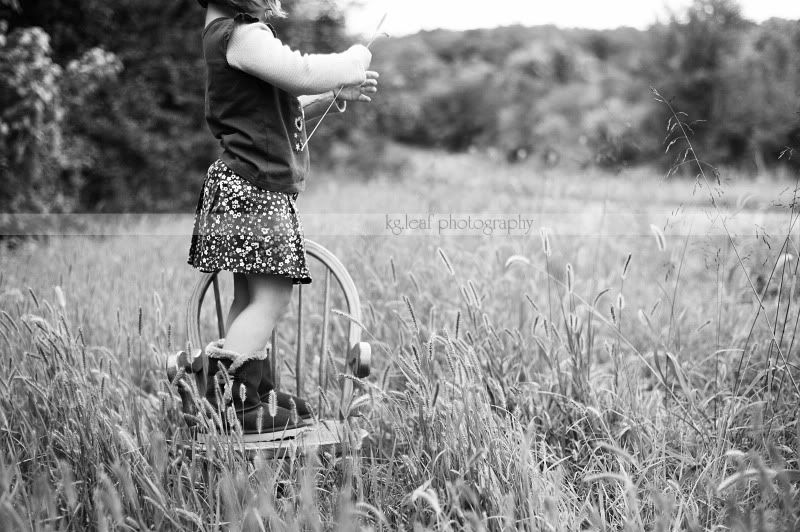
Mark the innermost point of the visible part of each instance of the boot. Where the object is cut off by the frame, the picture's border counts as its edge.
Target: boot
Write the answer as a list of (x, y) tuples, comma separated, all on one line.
[(284, 400), (233, 380), (266, 385)]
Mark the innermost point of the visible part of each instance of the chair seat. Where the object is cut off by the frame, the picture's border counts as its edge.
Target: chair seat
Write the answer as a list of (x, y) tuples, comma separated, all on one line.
[(326, 434)]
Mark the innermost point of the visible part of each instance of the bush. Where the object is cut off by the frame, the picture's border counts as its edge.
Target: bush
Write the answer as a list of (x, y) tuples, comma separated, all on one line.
[(41, 165)]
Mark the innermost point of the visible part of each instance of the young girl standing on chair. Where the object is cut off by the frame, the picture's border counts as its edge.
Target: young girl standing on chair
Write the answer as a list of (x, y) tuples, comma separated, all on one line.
[(259, 94)]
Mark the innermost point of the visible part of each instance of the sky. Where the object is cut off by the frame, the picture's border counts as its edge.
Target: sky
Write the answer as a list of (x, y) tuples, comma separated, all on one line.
[(410, 16)]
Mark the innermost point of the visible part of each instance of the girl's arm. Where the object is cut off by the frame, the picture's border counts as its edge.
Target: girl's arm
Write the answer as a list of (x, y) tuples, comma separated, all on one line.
[(254, 49), (314, 106)]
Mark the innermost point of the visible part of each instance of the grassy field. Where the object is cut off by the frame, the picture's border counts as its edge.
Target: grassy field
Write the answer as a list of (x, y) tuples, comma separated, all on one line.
[(611, 376)]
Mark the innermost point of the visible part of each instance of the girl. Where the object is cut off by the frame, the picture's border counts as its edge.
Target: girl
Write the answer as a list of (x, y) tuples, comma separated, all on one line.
[(259, 94)]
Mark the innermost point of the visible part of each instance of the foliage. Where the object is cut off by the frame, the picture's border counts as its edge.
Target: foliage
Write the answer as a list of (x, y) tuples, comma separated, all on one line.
[(142, 142), (41, 162), (737, 79), (584, 93), (444, 88)]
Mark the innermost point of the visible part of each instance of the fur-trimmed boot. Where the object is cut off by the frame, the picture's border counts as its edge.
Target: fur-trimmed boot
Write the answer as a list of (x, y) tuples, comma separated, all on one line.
[(285, 400), (266, 385), (233, 380)]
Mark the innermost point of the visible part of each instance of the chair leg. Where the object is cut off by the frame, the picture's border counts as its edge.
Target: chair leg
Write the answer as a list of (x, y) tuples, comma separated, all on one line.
[(200, 370)]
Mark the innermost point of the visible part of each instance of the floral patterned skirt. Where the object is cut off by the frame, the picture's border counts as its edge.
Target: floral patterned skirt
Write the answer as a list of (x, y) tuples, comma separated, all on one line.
[(242, 228)]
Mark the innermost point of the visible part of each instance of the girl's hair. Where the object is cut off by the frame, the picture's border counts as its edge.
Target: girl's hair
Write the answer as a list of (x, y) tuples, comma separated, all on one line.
[(248, 6)]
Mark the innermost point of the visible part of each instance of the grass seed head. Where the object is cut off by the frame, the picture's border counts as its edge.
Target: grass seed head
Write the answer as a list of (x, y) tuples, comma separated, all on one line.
[(544, 233), (272, 403), (661, 240), (624, 274), (643, 318), (446, 261), (570, 274), (62, 301)]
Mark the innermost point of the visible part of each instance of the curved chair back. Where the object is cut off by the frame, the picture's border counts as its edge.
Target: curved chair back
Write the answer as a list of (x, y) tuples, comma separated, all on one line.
[(357, 358)]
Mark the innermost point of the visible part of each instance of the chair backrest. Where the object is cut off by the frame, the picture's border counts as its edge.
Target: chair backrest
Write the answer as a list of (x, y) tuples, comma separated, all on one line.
[(357, 356)]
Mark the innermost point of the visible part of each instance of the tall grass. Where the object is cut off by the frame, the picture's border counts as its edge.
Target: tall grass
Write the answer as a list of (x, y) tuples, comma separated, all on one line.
[(553, 384)]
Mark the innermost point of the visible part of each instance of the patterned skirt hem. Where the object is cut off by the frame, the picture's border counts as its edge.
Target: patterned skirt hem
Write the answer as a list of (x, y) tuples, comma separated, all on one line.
[(234, 269)]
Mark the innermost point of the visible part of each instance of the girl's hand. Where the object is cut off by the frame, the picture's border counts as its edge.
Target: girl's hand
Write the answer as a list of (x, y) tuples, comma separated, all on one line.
[(360, 93)]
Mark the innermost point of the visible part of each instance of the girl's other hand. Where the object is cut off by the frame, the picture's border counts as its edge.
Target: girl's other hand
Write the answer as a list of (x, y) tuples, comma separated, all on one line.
[(360, 93), (363, 54)]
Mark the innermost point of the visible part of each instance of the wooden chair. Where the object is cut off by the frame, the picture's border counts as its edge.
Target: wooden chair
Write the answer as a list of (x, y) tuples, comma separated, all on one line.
[(357, 359)]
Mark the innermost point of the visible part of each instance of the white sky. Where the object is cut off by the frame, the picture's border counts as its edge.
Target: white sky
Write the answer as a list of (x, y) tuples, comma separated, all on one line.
[(410, 16)]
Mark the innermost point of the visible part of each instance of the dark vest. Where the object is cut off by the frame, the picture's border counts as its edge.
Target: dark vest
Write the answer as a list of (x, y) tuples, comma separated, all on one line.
[(261, 127)]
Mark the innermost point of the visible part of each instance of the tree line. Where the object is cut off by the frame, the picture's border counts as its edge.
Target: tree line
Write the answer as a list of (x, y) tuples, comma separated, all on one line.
[(585, 95)]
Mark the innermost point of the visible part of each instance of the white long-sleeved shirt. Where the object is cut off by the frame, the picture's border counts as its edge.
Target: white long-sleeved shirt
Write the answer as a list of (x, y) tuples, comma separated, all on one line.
[(254, 49)]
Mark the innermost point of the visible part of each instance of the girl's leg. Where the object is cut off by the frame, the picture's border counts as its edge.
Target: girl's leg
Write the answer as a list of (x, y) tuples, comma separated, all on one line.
[(241, 298), (270, 295)]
